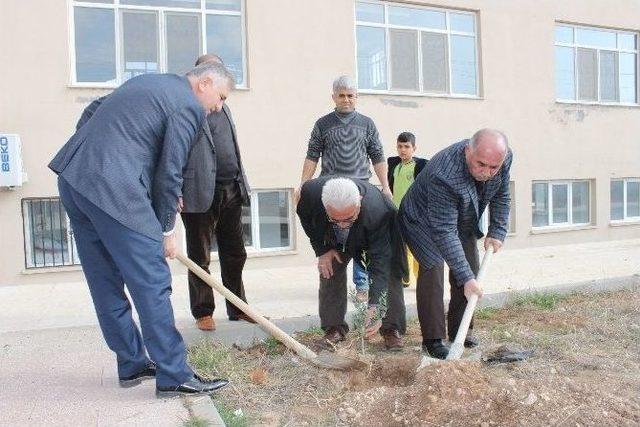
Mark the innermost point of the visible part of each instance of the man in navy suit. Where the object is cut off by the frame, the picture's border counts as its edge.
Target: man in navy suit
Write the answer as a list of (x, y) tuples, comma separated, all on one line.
[(439, 221), (119, 178)]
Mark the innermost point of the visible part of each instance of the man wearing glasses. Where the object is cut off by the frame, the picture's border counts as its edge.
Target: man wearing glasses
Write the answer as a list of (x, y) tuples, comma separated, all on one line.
[(343, 217)]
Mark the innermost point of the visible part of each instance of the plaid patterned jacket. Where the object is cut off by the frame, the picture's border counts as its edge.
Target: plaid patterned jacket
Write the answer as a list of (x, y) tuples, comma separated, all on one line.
[(443, 207)]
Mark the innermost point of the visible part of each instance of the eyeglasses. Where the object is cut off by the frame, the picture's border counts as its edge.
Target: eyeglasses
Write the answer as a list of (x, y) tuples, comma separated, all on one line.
[(349, 221)]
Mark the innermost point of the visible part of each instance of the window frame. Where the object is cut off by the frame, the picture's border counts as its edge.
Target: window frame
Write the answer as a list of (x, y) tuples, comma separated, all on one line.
[(447, 31), (575, 46), (625, 218), (27, 216), (161, 12), (569, 224), (254, 248)]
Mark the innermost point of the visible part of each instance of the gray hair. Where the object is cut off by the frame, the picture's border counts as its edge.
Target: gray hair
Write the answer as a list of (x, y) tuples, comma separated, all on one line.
[(340, 193), (218, 72), (344, 83), (487, 132)]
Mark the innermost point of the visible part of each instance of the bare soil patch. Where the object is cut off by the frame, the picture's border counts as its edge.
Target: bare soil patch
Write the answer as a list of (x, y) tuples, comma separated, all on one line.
[(585, 371)]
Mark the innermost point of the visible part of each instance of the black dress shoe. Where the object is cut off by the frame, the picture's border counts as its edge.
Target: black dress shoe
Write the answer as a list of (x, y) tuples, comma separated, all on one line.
[(333, 335), (148, 372), (196, 385), (436, 348), (470, 341)]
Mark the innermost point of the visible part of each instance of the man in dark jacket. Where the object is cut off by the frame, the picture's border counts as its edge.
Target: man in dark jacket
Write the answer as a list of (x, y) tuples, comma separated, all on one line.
[(120, 176), (215, 187), (343, 217), (439, 221)]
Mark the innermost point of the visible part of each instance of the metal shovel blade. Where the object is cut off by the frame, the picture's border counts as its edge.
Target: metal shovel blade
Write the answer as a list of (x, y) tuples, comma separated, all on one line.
[(428, 360)]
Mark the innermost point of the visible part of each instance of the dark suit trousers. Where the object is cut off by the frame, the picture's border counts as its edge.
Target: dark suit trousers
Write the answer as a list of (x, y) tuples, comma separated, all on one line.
[(111, 256), (222, 220), (333, 300), (430, 294)]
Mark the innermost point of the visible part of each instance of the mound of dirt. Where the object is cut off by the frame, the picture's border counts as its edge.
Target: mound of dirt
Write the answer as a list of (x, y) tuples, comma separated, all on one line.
[(435, 394)]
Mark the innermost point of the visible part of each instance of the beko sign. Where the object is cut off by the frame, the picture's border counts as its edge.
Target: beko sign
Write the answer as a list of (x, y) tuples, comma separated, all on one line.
[(10, 160)]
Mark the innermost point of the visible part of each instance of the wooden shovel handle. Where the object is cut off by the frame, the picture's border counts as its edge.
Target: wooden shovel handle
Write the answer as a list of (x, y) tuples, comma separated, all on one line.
[(471, 303), (269, 327)]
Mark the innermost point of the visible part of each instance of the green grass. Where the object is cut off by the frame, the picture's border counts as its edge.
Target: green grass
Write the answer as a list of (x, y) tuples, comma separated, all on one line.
[(541, 300), (486, 313), (196, 422), (208, 357), (502, 333), (312, 331), (229, 416), (273, 347)]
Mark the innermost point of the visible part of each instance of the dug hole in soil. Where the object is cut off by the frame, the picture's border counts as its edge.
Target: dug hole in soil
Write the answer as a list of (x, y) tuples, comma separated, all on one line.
[(585, 372)]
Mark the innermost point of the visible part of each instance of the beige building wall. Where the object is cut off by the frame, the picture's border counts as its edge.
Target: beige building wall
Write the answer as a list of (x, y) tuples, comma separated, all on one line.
[(294, 50)]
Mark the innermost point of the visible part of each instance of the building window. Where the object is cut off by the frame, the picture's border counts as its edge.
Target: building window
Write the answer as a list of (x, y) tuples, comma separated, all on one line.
[(484, 218), (416, 49), (266, 222), (625, 199), (596, 65), (114, 41), (561, 203), (48, 239)]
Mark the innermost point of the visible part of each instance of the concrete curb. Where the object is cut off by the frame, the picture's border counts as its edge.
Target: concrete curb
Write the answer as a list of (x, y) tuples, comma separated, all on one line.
[(244, 335), (204, 408)]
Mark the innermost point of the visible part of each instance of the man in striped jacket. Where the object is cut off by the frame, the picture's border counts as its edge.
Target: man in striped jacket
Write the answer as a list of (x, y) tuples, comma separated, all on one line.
[(439, 221)]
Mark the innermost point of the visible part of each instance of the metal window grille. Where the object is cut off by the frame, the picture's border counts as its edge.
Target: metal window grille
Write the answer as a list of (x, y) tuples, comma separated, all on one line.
[(48, 239)]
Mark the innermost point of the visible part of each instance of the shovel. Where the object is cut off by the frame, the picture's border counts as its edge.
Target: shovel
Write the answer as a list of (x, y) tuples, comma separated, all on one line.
[(457, 347), (325, 359)]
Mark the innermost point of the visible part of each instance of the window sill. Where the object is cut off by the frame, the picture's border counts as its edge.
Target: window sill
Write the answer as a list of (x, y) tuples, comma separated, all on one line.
[(598, 104), (112, 87), (547, 230), (624, 223), (419, 94), (261, 254), (46, 270)]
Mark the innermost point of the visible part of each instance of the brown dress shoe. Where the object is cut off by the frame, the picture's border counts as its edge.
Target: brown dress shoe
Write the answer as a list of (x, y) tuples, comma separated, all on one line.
[(244, 317), (206, 323), (333, 335), (392, 340)]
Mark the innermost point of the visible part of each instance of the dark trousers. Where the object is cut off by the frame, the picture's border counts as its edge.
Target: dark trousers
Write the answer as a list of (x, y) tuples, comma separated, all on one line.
[(430, 294), (333, 300), (223, 219), (111, 256)]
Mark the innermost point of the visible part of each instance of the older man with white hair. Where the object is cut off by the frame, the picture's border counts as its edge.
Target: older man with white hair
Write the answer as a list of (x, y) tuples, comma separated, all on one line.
[(439, 218), (342, 218)]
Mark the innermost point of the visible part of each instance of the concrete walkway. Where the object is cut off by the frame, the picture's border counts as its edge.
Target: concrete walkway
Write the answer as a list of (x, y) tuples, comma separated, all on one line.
[(56, 370)]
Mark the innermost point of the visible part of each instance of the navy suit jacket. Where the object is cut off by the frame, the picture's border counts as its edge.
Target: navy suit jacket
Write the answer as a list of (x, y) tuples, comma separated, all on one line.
[(199, 174), (127, 158), (443, 207)]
